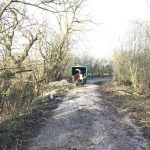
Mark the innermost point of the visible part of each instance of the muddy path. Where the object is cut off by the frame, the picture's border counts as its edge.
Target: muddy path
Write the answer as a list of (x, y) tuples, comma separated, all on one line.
[(85, 122)]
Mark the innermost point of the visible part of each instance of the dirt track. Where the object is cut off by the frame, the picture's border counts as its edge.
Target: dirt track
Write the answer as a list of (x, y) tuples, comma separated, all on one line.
[(84, 122)]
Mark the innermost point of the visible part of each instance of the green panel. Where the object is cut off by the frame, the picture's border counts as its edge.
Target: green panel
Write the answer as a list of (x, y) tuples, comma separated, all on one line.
[(83, 69)]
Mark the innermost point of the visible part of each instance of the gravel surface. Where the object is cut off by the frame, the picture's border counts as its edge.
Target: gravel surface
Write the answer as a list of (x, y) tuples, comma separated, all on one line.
[(84, 122)]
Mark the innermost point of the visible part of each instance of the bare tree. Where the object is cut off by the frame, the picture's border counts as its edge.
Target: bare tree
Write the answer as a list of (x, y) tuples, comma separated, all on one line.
[(20, 35), (47, 5), (56, 51), (131, 62)]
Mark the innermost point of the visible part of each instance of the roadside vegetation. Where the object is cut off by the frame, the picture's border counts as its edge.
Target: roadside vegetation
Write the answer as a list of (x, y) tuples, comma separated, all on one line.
[(131, 64), (33, 52), (130, 104)]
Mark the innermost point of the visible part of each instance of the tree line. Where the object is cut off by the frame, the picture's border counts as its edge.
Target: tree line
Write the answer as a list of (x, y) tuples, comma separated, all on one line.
[(131, 62), (97, 67)]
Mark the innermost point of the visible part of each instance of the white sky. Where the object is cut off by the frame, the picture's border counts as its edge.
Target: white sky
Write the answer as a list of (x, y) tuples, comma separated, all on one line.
[(115, 17)]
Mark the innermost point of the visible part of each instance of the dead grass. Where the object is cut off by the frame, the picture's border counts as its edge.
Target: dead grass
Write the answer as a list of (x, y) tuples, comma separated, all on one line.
[(20, 125), (131, 104), (17, 133)]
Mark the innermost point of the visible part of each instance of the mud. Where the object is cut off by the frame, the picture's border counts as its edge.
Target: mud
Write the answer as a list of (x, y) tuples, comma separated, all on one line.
[(85, 122)]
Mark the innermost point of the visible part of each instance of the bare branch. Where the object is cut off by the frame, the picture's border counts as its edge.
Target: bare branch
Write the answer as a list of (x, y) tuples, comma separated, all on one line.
[(34, 5), (27, 48), (4, 9)]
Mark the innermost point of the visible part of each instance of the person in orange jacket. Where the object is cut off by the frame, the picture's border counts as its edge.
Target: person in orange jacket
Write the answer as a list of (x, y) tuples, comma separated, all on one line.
[(77, 76)]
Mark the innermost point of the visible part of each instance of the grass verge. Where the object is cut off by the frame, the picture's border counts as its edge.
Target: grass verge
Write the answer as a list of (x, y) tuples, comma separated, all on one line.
[(17, 133), (136, 107)]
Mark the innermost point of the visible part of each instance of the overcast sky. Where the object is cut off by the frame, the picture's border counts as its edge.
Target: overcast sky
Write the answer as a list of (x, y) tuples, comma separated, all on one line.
[(115, 17)]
